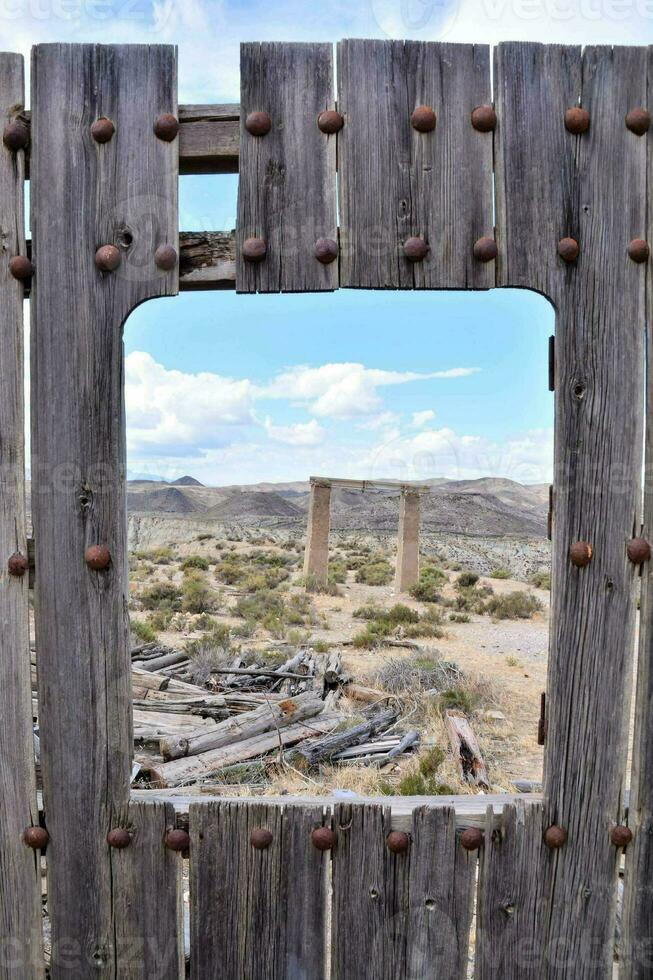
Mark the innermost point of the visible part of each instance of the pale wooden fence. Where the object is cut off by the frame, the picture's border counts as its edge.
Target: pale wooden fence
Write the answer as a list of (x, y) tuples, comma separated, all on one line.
[(359, 909)]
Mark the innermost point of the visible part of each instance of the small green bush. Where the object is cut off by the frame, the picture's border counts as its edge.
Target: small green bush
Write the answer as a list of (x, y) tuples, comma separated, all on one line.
[(337, 572), (142, 630), (466, 579), (376, 572), (458, 699), (499, 573), (513, 605), (161, 595), (197, 597), (195, 561), (459, 617), (541, 580)]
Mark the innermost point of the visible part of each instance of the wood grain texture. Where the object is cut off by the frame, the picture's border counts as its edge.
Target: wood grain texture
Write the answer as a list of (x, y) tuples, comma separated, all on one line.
[(257, 914), (84, 195), (601, 202), (209, 139), (20, 894), (396, 183), (287, 185)]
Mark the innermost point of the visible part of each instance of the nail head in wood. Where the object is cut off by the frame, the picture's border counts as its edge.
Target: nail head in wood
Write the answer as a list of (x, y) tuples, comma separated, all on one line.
[(577, 120), (21, 268), (177, 840), (36, 837), (423, 119), (254, 249), (15, 136), (166, 127), (568, 249), (17, 565), (330, 122), (97, 557), (555, 837), (107, 258), (471, 838), (119, 838), (638, 120), (638, 550), (102, 130), (397, 841), (638, 250), (416, 249), (165, 257), (258, 124), (323, 838), (621, 836), (580, 553), (260, 838), (326, 250), (485, 249), (484, 118)]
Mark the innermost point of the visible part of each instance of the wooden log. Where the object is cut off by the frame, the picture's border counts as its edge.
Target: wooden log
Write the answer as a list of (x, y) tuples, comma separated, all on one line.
[(409, 739), (147, 679), (209, 139), (325, 748), (170, 659), (207, 260), (368, 695), (465, 749), (333, 669)]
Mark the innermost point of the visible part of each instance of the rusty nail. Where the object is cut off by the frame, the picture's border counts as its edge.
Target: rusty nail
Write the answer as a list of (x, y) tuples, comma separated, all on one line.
[(577, 120), (97, 557), (638, 550), (177, 840), (323, 838), (485, 249), (21, 268), (107, 258), (258, 123), (638, 250), (17, 565), (165, 257), (580, 553), (102, 130), (471, 838), (166, 127), (325, 250), (638, 120), (330, 122), (423, 119), (568, 249), (15, 135), (416, 249), (254, 249), (397, 842), (36, 837), (119, 838), (484, 118), (555, 837), (621, 836), (260, 838)]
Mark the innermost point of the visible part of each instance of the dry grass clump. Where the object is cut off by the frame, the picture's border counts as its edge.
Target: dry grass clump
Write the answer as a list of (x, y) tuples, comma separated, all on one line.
[(398, 621), (541, 579), (513, 605), (416, 674), (206, 654)]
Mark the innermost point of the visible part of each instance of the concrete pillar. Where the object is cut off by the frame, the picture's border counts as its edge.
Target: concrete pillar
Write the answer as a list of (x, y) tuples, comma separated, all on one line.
[(316, 558), (407, 572)]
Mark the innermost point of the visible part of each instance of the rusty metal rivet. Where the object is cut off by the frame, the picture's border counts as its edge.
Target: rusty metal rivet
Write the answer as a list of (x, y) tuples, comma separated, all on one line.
[(580, 553), (166, 127), (177, 840), (107, 258), (416, 249), (323, 838), (17, 565), (638, 120), (638, 250), (484, 118), (260, 838), (621, 836), (577, 120), (485, 249), (423, 119), (21, 268), (471, 838), (102, 130), (258, 123), (397, 842), (165, 257), (36, 837), (15, 135), (330, 122), (568, 249), (638, 550), (254, 249), (555, 837), (97, 557), (119, 838), (325, 250)]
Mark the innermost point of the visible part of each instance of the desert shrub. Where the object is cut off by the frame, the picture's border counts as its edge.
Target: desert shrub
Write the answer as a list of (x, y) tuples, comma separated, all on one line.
[(459, 699), (142, 630), (204, 537), (541, 580), (399, 613), (513, 605), (425, 592), (321, 646), (205, 622), (208, 653), (466, 579), (424, 630), (431, 580), (415, 674), (158, 556), (320, 588), (459, 617), (337, 572), (161, 595), (375, 572), (197, 597), (257, 606), (195, 561), (499, 573), (160, 619), (230, 570)]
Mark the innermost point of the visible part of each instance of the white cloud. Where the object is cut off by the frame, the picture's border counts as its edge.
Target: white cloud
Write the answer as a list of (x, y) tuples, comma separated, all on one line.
[(421, 418), (301, 434)]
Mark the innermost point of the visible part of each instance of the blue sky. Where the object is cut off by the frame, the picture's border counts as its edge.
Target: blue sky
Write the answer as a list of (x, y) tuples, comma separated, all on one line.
[(240, 389)]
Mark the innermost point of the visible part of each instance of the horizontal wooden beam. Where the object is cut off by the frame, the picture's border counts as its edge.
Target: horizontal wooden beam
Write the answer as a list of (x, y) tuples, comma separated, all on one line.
[(327, 481)]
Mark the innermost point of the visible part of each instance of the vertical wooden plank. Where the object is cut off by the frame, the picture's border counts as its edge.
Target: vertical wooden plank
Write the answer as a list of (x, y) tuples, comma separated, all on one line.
[(395, 182), (147, 897), (287, 183), (20, 893), (256, 913), (84, 195), (598, 439)]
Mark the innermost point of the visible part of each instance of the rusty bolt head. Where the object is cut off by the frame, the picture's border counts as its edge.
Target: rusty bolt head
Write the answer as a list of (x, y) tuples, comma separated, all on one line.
[(484, 118), (638, 250), (97, 557), (568, 249), (621, 836), (423, 119), (580, 553), (471, 838), (36, 837), (577, 120), (397, 842), (323, 838), (17, 565), (258, 123), (15, 135), (254, 249), (555, 837), (107, 258), (638, 120), (325, 250), (177, 840), (165, 257), (102, 130), (260, 839), (485, 249), (330, 122), (166, 127), (416, 249), (21, 268), (119, 838), (638, 550)]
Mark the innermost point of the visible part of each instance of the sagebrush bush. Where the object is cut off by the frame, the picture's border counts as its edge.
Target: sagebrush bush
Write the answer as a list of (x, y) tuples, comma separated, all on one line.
[(197, 597), (161, 595), (195, 561), (376, 572), (142, 630), (466, 579), (541, 580), (499, 573), (513, 605)]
